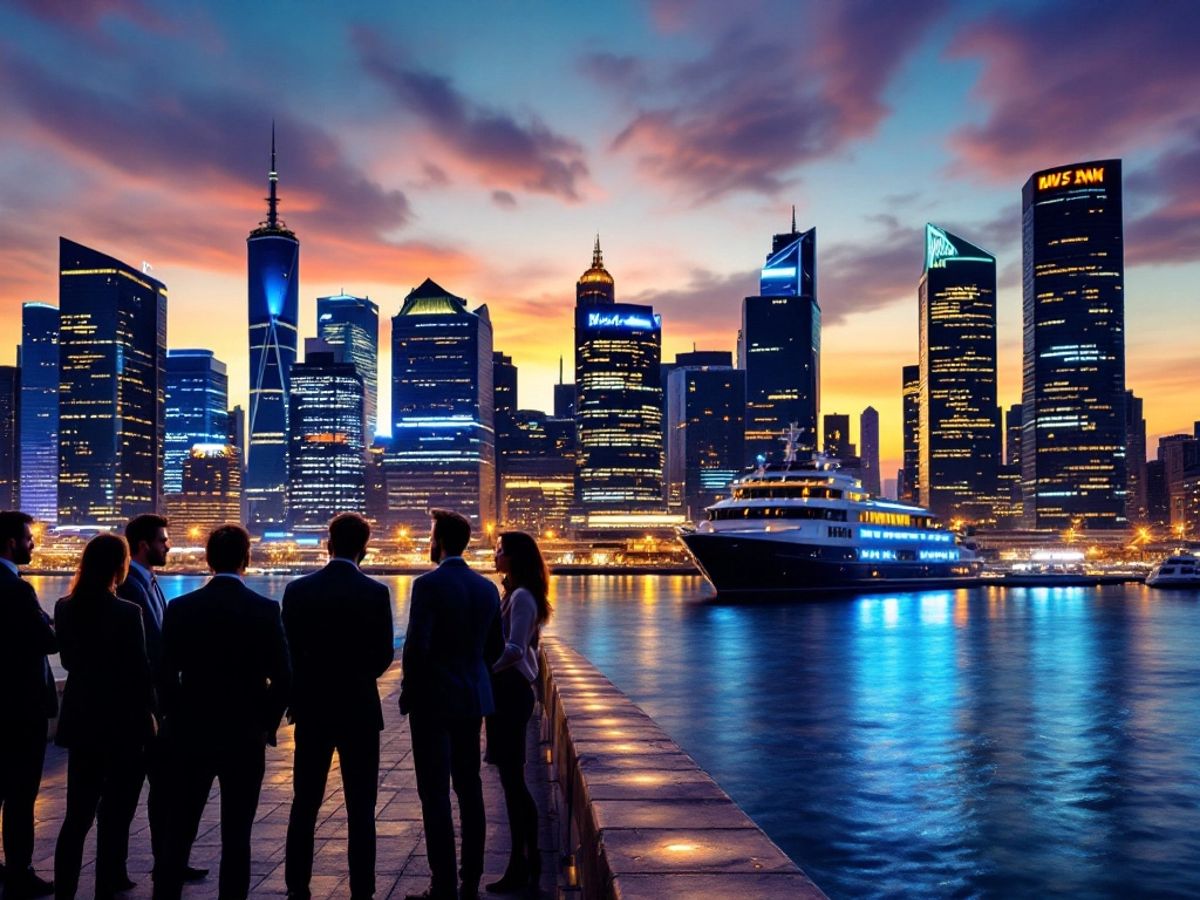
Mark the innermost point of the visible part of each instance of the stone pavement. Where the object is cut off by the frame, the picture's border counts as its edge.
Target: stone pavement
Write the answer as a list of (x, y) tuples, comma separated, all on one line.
[(401, 867)]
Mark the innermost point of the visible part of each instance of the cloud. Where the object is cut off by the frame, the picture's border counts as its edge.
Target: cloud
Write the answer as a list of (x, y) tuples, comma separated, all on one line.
[(1169, 233), (503, 152), (1076, 81), (504, 200), (752, 107)]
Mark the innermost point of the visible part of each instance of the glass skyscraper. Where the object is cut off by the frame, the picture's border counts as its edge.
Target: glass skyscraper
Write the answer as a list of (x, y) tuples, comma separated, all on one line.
[(910, 389), (273, 265), (443, 451), (353, 323), (779, 347), (38, 424), (112, 371), (197, 409), (1073, 391), (868, 430), (706, 407), (10, 452), (960, 442)]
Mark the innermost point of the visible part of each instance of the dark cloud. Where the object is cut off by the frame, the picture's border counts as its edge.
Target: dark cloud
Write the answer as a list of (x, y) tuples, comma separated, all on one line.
[(504, 199), (433, 176), (1170, 232), (505, 153), (869, 274)]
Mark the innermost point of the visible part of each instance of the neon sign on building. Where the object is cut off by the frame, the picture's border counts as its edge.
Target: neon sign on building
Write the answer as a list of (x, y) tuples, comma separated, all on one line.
[(623, 320), (1068, 177)]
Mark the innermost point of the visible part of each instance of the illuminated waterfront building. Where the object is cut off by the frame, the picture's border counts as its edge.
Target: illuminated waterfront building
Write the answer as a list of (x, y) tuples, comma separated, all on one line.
[(538, 484), (1135, 459), (909, 489), (868, 430), (38, 423), (273, 264), (443, 450), (10, 451), (112, 356), (959, 419), (779, 347), (210, 493), (326, 444), (1073, 392), (706, 405), (1179, 455), (837, 436), (1012, 435), (618, 392), (197, 400), (352, 323), (504, 403)]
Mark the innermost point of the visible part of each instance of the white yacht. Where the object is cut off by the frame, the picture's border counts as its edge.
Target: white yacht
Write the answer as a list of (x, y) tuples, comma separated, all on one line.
[(1179, 570), (804, 524)]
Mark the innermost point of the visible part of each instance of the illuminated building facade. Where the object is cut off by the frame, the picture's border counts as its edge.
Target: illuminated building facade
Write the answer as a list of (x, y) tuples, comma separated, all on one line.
[(273, 257), (868, 430), (909, 489), (1012, 435), (38, 424), (836, 441), (352, 323), (1135, 459), (443, 450), (197, 403), (326, 444), (112, 355), (1073, 391), (10, 451), (618, 391), (779, 347), (706, 406), (504, 402), (210, 493), (959, 418), (538, 483)]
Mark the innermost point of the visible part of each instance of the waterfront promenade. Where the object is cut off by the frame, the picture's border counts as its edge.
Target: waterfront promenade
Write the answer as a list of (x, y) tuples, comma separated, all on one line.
[(401, 866)]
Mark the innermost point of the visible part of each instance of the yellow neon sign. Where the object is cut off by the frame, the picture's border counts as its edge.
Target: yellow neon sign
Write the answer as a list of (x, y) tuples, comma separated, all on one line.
[(1068, 177)]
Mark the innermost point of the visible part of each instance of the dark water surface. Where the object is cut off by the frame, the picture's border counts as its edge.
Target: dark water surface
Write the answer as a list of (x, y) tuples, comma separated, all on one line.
[(998, 742)]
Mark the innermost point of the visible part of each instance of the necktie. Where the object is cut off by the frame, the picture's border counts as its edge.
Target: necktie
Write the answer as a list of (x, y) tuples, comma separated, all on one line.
[(160, 602)]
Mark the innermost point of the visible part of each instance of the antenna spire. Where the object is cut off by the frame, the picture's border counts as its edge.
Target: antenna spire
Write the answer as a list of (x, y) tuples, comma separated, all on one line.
[(273, 181), (597, 256), (793, 218), (560, 368)]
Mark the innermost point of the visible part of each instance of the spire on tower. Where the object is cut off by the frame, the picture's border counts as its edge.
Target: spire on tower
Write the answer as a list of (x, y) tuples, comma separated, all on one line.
[(560, 368), (597, 256), (793, 218), (273, 181)]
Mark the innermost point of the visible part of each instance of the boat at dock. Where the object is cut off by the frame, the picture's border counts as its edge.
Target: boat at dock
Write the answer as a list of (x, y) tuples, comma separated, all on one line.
[(1179, 570)]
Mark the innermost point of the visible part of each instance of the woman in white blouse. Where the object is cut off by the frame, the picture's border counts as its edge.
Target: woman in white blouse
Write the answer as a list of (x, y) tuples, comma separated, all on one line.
[(524, 609)]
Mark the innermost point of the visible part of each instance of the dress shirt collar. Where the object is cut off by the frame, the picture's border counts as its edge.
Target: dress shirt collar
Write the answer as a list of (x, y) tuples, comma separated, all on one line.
[(10, 565)]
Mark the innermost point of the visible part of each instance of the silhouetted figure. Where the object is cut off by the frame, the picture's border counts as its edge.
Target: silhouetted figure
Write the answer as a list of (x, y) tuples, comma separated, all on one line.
[(524, 609), (149, 544), (227, 681), (339, 630), (28, 700), (107, 716), (453, 625)]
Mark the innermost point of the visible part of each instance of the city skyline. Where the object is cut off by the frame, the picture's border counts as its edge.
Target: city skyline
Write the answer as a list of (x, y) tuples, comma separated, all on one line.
[(398, 182)]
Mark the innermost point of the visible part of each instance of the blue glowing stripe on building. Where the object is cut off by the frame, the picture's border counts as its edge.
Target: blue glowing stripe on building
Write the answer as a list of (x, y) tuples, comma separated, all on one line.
[(620, 320), (883, 534), (781, 276)]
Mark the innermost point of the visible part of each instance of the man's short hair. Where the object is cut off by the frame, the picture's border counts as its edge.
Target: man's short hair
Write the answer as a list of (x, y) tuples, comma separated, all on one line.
[(143, 528), (228, 549), (348, 534), (451, 530), (12, 524)]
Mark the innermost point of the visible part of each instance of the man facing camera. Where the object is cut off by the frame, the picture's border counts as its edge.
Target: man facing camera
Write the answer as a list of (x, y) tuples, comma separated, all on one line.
[(339, 630), (227, 680)]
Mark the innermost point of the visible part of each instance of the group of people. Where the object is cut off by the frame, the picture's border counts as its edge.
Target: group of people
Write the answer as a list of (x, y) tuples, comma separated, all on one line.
[(180, 694)]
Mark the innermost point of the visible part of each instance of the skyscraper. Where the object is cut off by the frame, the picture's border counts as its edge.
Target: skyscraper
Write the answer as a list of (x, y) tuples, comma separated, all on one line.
[(1136, 508), (960, 434), (326, 446), (443, 426), (210, 492), (10, 450), (705, 420), (779, 347), (39, 411), (538, 485), (618, 392), (112, 355), (1012, 435), (197, 401), (837, 436), (504, 394), (1073, 391), (910, 387), (353, 323), (868, 429), (564, 396), (273, 258)]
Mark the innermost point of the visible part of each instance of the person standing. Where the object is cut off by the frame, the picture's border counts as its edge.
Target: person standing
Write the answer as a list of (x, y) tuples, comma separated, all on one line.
[(524, 609), (453, 626), (107, 716), (227, 682), (149, 544), (28, 700), (338, 624)]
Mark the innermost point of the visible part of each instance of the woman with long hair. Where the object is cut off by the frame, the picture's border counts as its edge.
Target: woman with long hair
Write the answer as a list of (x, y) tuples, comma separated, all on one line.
[(524, 609), (107, 716)]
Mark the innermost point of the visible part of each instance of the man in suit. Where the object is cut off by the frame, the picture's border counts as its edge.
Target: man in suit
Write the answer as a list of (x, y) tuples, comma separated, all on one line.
[(28, 700), (227, 682), (453, 626), (149, 544), (338, 624)]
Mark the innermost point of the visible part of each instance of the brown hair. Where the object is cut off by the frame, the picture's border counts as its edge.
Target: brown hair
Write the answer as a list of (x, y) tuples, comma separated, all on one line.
[(348, 534), (527, 569), (228, 549), (451, 530), (102, 566), (143, 528), (12, 524)]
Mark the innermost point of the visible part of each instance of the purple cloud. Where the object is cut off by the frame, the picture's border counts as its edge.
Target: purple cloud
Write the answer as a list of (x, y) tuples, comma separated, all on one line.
[(1169, 233)]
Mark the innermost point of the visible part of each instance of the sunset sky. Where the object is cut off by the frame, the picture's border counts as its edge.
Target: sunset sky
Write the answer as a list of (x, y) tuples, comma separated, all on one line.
[(484, 145)]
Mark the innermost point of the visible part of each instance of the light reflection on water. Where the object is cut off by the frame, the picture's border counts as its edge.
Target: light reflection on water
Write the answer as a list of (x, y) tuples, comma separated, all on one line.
[(1027, 741)]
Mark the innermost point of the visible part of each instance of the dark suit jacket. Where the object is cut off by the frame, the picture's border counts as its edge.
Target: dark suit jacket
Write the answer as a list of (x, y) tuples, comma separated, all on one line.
[(26, 684), (339, 630), (453, 626), (136, 589), (226, 664), (109, 697)]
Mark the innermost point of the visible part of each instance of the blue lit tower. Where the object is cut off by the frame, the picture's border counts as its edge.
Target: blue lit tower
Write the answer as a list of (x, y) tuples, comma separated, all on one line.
[(273, 256), (779, 347), (353, 324), (1073, 423), (112, 357), (197, 409), (39, 411)]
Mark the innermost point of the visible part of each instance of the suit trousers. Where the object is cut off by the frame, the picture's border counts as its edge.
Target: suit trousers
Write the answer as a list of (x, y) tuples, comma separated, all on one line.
[(358, 755), (446, 749), (102, 786), (22, 754)]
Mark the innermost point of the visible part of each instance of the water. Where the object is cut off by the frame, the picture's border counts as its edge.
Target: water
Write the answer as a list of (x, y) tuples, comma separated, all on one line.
[(986, 742)]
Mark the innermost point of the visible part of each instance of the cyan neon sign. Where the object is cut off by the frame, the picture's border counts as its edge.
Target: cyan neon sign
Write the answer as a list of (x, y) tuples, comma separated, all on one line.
[(622, 320)]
